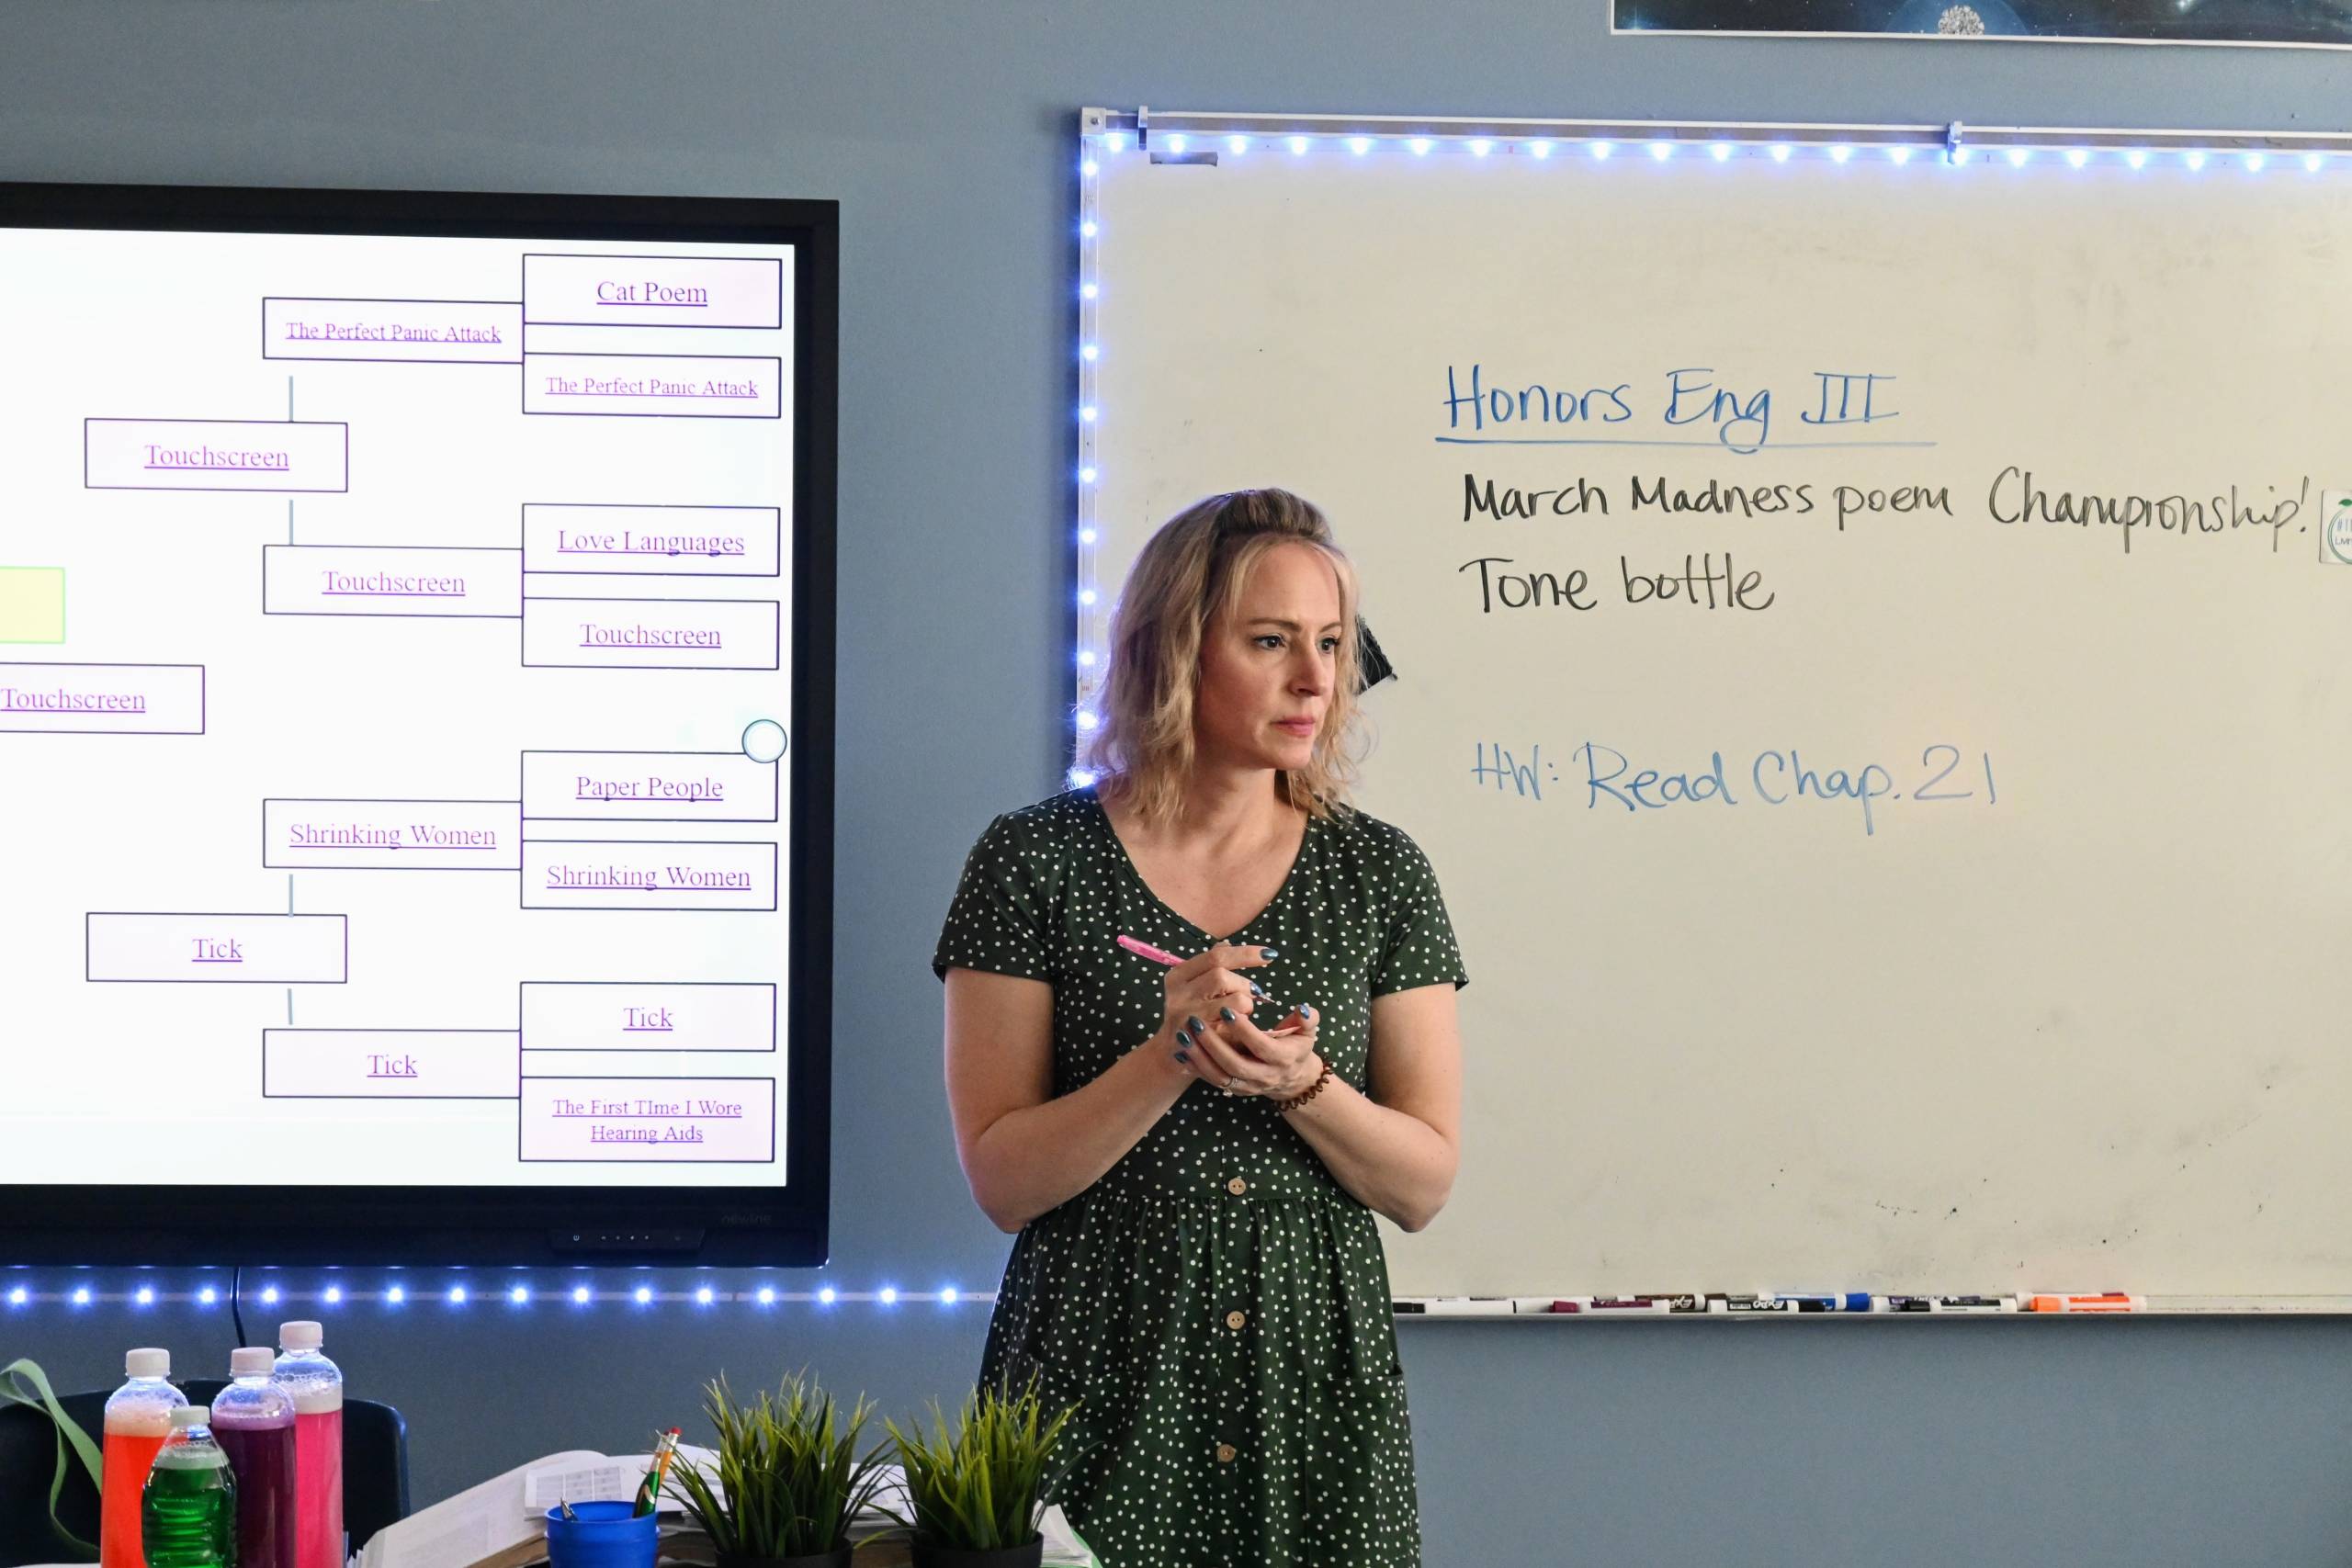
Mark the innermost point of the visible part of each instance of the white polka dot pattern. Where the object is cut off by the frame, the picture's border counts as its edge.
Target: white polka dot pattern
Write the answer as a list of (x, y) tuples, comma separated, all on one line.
[(1283, 1442)]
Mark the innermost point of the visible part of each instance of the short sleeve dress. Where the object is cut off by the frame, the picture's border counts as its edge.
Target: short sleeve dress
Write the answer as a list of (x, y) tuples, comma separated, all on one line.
[(1217, 1305)]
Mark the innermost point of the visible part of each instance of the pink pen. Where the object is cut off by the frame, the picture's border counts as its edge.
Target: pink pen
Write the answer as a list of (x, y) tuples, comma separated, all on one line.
[(1162, 955), (1144, 950)]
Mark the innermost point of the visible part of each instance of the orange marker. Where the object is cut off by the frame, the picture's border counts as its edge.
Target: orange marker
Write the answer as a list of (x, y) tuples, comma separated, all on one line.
[(2105, 1301)]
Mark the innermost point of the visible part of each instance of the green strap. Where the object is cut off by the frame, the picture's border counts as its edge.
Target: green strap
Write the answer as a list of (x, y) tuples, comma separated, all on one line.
[(13, 1379)]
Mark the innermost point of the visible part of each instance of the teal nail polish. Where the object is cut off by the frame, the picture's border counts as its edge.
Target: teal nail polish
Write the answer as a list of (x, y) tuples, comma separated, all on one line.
[(1225, 1013), (1257, 990), (1184, 1041), (1306, 1010), (1197, 1026), (1183, 1058), (1268, 953)]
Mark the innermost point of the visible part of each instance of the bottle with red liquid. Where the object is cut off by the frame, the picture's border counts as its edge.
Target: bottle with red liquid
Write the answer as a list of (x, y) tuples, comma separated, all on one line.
[(316, 1386), (139, 1417), (252, 1420)]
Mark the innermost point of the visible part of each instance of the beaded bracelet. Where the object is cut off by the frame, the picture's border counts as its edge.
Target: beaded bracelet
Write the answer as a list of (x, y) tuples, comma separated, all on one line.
[(1286, 1106)]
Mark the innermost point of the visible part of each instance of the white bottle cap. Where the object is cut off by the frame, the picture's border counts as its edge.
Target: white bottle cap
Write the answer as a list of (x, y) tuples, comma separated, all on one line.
[(249, 1360), (191, 1416), (300, 1336), (148, 1362)]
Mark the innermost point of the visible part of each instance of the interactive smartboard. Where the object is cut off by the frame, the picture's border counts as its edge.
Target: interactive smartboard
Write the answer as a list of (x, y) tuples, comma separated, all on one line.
[(1874, 644), (404, 636)]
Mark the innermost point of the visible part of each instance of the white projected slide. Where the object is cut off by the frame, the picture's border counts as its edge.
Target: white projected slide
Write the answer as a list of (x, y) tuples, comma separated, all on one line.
[(394, 679)]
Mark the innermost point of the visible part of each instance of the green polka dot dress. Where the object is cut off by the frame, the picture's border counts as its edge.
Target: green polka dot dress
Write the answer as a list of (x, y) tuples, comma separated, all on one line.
[(1217, 1304)]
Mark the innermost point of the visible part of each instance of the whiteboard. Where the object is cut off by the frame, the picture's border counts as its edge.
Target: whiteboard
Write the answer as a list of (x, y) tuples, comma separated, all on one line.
[(1959, 903)]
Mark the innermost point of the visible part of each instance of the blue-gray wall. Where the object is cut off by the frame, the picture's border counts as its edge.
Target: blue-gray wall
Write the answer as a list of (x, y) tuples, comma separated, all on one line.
[(944, 131)]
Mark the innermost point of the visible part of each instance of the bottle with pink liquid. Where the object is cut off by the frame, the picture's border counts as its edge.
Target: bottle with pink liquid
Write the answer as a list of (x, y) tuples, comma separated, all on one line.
[(252, 1420), (139, 1417), (316, 1387)]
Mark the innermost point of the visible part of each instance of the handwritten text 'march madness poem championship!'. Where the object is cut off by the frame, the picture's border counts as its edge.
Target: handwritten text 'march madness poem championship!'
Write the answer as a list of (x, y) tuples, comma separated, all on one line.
[(1695, 408)]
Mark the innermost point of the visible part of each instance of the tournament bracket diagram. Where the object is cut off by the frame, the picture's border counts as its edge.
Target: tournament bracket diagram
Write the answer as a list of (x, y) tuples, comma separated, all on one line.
[(443, 822)]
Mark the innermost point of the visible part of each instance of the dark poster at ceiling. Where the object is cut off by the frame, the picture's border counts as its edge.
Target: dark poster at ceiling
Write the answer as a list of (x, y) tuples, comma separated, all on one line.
[(2146, 21)]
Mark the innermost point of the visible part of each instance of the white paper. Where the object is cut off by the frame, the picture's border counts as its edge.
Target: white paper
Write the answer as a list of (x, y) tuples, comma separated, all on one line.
[(1063, 1548)]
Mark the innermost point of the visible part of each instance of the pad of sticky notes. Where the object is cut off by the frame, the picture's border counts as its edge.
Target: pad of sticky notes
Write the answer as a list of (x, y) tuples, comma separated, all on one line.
[(32, 604)]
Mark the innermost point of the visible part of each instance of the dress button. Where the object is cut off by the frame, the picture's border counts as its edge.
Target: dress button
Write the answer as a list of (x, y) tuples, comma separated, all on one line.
[(1236, 1319), (1226, 1454), (1237, 1186)]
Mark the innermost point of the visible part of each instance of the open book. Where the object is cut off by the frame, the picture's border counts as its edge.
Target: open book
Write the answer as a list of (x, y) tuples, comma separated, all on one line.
[(501, 1523)]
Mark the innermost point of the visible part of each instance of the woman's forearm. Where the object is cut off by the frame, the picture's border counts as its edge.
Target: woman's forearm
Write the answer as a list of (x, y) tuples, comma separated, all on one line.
[(1395, 1164), (1040, 1157)]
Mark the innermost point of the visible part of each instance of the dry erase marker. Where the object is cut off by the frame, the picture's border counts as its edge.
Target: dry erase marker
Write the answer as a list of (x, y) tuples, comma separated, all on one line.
[(1630, 1306), (1453, 1306), (1946, 1304), (1828, 1300), (1748, 1305), (1612, 1306), (2105, 1301)]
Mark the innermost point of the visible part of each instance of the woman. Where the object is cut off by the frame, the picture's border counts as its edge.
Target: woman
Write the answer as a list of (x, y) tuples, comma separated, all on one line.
[(1192, 1155)]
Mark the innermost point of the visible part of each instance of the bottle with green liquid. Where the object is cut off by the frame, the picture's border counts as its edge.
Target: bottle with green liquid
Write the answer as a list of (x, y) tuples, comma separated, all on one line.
[(189, 1511)]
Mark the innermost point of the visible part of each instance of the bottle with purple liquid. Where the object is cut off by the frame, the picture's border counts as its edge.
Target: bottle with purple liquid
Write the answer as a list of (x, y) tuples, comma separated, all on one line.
[(252, 1420)]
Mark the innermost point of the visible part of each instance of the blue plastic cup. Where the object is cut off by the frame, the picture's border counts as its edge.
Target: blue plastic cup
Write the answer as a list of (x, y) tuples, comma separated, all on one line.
[(604, 1535)]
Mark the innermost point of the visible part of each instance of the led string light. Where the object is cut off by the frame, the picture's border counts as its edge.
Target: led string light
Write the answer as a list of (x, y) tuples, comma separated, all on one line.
[(26, 1295), (2250, 150), (1085, 528)]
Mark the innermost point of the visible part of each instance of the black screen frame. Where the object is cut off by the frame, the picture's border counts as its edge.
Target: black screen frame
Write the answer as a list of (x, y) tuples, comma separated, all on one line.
[(749, 1226)]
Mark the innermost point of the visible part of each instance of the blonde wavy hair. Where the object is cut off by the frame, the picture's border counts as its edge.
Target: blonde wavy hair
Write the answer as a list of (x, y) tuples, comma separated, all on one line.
[(1193, 571)]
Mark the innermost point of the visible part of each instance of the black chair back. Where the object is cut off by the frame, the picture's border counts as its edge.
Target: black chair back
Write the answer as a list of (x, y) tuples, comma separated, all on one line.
[(28, 1464)]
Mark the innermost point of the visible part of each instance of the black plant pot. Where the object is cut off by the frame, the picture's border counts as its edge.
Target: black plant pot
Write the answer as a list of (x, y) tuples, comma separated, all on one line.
[(836, 1559), (1029, 1554)]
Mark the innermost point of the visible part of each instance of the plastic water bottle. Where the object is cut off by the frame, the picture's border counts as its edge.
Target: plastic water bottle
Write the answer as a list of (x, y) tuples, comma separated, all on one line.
[(316, 1385), (139, 1417), (191, 1501), (252, 1420)]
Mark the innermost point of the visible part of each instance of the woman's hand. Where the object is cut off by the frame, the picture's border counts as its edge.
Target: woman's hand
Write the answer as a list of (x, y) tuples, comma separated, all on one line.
[(1236, 1056), (1209, 985)]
